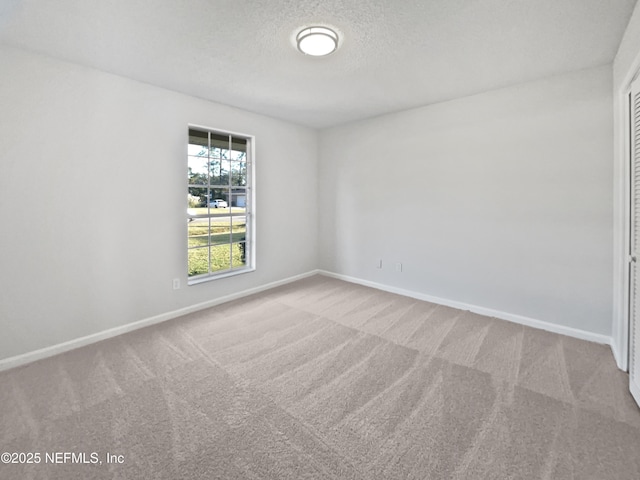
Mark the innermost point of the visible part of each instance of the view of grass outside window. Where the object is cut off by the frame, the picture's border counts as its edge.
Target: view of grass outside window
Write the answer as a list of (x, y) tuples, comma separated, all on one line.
[(219, 200)]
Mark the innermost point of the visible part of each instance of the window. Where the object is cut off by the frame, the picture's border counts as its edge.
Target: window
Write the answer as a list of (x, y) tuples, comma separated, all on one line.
[(220, 216)]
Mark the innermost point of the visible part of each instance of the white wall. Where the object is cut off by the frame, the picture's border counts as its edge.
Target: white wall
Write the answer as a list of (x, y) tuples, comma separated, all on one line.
[(92, 200), (501, 200), (625, 66)]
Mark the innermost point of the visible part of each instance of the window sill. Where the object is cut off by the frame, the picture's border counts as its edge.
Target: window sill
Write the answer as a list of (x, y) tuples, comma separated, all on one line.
[(217, 276)]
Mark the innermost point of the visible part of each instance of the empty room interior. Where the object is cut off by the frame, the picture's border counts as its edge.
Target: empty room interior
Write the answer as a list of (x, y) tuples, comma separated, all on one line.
[(319, 240)]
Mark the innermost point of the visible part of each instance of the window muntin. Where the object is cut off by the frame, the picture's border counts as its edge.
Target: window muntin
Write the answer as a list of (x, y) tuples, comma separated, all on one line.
[(219, 237)]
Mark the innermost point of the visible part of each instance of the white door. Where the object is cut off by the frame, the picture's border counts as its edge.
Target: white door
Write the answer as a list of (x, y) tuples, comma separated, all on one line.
[(634, 273)]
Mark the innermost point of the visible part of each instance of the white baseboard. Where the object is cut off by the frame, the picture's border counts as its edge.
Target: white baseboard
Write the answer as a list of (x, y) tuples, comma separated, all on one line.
[(635, 391), (530, 322), (46, 352), (619, 356), (52, 350)]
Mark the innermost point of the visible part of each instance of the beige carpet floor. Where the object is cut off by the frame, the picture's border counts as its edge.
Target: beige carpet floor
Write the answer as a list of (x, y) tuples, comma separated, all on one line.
[(323, 379)]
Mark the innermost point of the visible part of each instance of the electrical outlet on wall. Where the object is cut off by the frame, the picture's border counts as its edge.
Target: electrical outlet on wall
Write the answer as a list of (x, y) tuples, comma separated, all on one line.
[(379, 263), (176, 283), (398, 267)]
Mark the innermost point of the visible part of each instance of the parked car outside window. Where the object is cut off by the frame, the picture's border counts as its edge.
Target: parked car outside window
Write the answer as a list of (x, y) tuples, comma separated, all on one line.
[(218, 203)]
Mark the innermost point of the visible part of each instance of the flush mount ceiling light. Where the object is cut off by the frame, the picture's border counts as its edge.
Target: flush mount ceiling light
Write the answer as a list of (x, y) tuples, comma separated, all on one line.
[(317, 41)]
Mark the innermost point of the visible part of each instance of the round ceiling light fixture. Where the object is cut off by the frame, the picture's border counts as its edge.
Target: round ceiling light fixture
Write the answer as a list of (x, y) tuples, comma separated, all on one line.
[(317, 41)]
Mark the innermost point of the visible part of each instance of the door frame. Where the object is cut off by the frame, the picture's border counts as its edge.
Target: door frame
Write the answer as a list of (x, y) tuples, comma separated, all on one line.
[(622, 218)]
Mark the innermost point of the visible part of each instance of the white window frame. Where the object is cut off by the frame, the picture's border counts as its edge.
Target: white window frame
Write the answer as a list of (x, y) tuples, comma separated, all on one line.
[(250, 236)]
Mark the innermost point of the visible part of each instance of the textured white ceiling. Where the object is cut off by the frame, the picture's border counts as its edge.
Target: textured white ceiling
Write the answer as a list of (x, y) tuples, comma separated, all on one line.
[(394, 54)]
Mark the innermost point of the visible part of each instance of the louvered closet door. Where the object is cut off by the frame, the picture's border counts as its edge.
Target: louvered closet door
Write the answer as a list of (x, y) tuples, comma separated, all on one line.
[(634, 343)]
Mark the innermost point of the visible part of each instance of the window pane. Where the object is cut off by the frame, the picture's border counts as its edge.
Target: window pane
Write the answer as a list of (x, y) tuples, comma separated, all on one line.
[(219, 144), (220, 257), (239, 228), (198, 261), (220, 230), (239, 254), (197, 199), (219, 200), (219, 171), (198, 170), (238, 149), (239, 173), (198, 230), (239, 200), (197, 140)]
